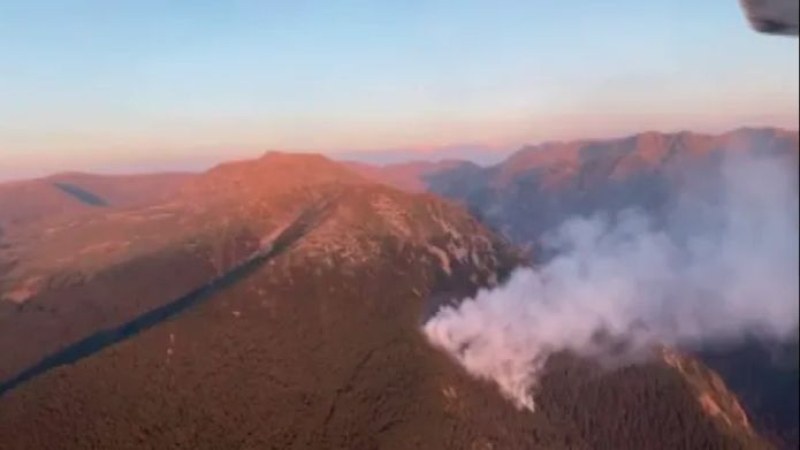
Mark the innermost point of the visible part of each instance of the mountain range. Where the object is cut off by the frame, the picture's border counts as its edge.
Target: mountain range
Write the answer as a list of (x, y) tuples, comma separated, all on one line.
[(278, 303), (532, 192)]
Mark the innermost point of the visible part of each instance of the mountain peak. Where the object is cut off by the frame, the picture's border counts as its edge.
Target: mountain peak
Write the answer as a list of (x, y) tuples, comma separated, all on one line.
[(293, 157), (271, 173)]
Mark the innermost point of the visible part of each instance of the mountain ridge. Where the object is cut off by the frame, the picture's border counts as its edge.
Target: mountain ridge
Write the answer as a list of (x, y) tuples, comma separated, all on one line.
[(323, 342)]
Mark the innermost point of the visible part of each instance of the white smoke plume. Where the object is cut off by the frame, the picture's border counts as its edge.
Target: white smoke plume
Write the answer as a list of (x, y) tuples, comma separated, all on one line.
[(722, 267)]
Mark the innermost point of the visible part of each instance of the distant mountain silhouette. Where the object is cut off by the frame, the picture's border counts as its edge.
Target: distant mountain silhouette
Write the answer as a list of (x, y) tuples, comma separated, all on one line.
[(70, 193), (412, 176), (477, 154)]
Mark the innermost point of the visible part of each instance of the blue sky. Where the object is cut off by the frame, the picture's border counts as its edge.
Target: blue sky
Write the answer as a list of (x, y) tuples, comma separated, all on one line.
[(112, 84)]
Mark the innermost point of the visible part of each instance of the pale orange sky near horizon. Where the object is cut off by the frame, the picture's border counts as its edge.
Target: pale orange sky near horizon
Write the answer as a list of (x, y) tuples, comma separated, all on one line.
[(128, 158), (151, 86)]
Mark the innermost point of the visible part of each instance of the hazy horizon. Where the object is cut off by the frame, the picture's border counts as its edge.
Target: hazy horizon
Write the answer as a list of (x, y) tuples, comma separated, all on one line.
[(149, 86), (481, 155)]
